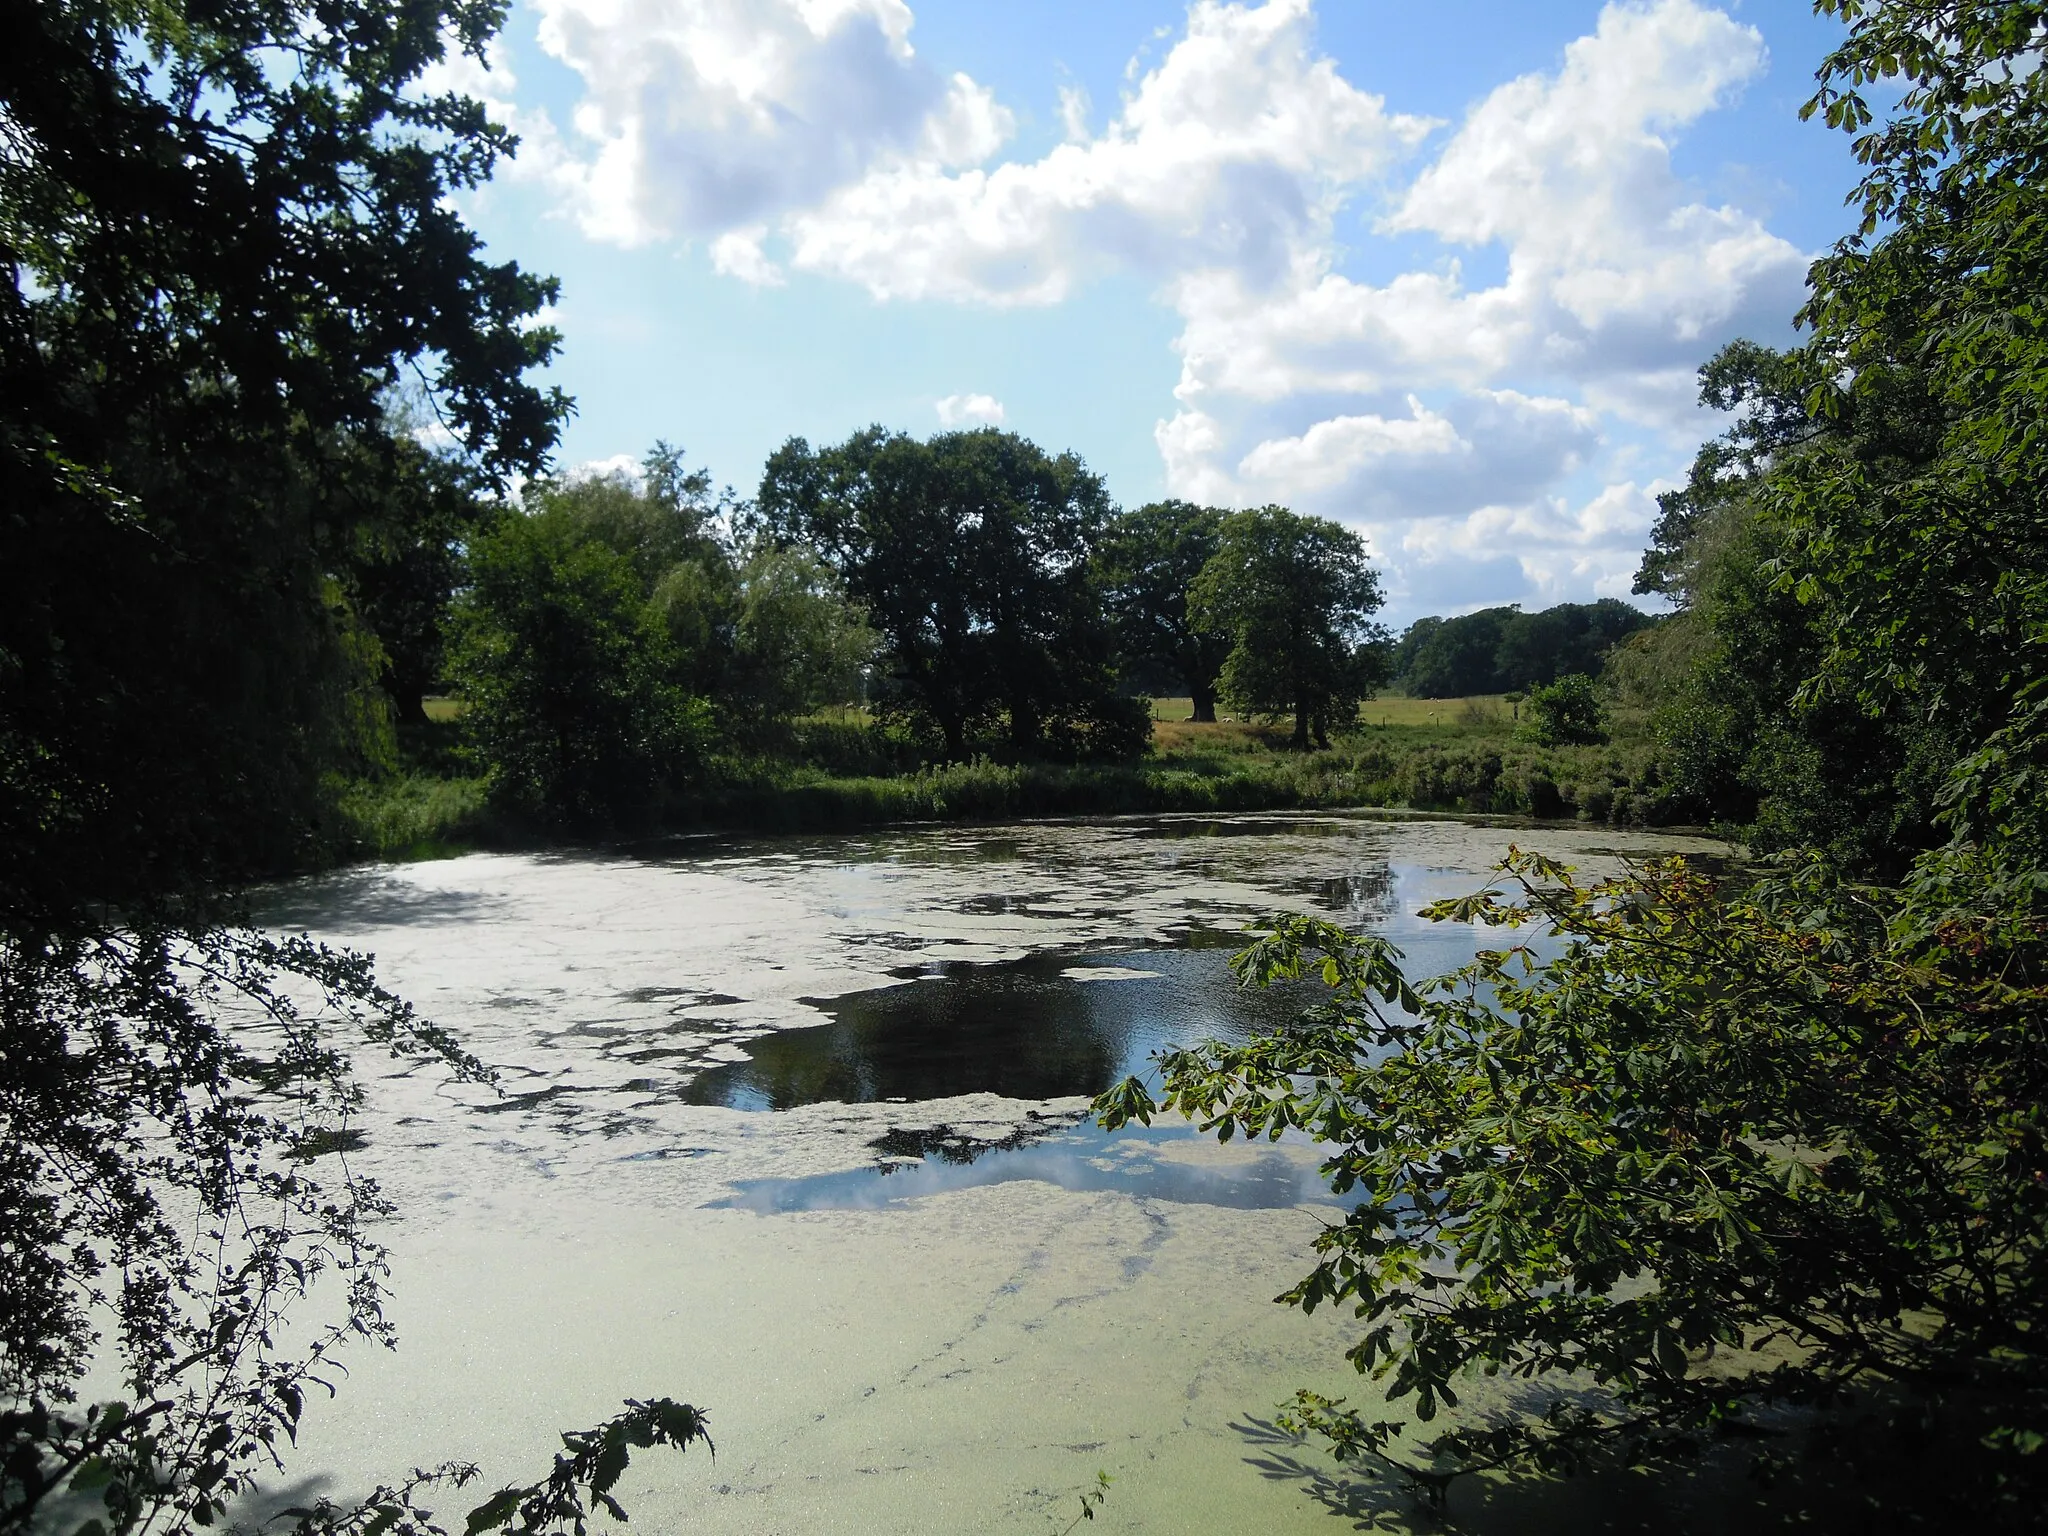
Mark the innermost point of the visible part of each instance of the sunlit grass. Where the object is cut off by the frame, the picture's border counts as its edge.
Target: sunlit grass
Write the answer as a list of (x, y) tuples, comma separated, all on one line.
[(839, 768), (1415, 720)]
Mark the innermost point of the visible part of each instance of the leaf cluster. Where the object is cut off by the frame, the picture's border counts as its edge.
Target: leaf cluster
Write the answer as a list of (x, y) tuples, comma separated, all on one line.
[(585, 1472), (164, 1097), (1727, 1147)]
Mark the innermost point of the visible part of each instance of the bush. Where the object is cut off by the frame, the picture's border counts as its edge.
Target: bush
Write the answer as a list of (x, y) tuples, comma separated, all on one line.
[(1106, 728), (568, 674), (412, 816), (1727, 1116), (1564, 712), (1440, 779)]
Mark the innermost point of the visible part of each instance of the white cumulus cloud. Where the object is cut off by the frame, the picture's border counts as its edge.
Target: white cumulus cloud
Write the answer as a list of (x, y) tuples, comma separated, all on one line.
[(1332, 451), (1483, 427), (738, 253), (1618, 281), (1615, 273), (699, 117), (965, 410), (1237, 149), (620, 466)]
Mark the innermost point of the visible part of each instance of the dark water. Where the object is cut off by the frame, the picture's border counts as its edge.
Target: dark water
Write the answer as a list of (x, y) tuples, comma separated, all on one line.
[(1052, 1025), (1032, 1029)]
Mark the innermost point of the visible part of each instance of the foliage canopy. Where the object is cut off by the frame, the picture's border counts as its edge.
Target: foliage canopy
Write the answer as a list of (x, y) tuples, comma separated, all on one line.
[(1149, 561), (971, 554), (1503, 650), (228, 236), (1296, 597), (1734, 1145)]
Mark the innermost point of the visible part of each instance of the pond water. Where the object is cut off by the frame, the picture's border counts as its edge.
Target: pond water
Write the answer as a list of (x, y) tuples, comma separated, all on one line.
[(796, 1129), (1046, 1027)]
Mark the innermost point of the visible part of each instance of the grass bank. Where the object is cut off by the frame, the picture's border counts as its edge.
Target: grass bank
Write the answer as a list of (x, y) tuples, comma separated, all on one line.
[(1457, 755)]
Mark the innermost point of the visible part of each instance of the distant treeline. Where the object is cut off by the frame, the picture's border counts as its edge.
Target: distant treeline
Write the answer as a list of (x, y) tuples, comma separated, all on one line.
[(976, 594), (1504, 650)]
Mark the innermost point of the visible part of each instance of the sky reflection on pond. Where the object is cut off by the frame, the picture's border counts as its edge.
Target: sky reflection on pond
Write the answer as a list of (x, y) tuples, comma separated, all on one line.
[(1049, 1026), (1135, 1162)]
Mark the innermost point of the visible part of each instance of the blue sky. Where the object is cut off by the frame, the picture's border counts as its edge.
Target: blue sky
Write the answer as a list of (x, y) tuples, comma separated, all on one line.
[(1441, 272)]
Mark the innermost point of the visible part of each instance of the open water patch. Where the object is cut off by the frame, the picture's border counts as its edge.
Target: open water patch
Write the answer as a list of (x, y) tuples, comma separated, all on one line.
[(1150, 1164), (1047, 1027)]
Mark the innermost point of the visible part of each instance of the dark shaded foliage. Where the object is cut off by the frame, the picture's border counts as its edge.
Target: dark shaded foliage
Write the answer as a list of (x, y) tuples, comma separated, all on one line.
[(227, 237), (971, 555), (1148, 563), (1504, 650)]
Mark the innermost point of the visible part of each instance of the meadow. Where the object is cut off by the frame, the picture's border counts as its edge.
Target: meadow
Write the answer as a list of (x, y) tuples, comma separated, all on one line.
[(840, 769)]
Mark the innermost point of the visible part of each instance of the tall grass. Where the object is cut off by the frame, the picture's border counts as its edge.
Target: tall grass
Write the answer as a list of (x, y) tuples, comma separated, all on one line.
[(841, 773), (413, 816)]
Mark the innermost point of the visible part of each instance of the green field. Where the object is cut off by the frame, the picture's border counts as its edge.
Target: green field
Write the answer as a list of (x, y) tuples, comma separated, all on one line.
[(841, 769), (1485, 710)]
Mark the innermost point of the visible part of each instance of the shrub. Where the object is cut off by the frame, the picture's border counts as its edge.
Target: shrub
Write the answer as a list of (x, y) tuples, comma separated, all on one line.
[(567, 672), (1566, 711), (1727, 1115)]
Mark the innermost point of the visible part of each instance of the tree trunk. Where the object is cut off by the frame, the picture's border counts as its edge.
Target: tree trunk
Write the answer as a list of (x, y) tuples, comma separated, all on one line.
[(1023, 729), (1301, 727), (1205, 703), (406, 687)]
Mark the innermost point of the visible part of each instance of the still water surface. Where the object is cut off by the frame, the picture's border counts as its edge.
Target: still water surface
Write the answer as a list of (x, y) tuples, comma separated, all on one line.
[(796, 1128)]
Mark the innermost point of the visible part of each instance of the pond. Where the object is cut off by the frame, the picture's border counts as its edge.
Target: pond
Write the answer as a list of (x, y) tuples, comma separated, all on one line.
[(796, 1129)]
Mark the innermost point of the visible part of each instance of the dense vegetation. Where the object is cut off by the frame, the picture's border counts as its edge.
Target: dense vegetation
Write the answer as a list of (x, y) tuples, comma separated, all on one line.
[(229, 239), (887, 616), (1504, 650), (1722, 1144), (1721, 1147)]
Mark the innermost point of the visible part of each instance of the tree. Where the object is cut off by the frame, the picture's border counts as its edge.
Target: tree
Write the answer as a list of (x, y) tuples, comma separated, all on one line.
[(1729, 680), (1863, 550), (971, 554), (1148, 562), (228, 235), (1454, 658), (1565, 711), (1927, 316), (799, 642), (1296, 596), (1501, 650), (1727, 1116), (1766, 392), (407, 564), (229, 232), (1539, 648), (874, 511), (570, 675)]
